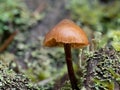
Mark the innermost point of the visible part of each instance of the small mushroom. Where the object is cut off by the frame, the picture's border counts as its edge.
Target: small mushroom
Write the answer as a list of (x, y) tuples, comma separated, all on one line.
[(67, 34)]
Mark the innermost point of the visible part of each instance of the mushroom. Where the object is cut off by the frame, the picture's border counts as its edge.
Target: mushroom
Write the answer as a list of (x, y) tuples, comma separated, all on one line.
[(67, 34)]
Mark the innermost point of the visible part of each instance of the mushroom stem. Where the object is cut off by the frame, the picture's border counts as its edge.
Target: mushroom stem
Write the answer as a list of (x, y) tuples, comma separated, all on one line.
[(73, 80)]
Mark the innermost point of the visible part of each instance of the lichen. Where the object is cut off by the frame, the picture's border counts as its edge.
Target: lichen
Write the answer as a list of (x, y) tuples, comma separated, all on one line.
[(9, 80), (103, 69)]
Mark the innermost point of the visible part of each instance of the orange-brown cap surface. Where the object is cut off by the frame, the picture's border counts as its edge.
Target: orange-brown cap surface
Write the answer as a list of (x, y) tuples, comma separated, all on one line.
[(66, 32)]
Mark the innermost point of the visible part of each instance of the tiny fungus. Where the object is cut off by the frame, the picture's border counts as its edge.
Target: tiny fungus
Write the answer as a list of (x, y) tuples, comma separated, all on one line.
[(67, 34)]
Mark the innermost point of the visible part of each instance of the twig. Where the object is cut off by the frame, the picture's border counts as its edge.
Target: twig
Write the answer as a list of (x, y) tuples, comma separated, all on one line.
[(8, 41), (40, 8), (45, 81)]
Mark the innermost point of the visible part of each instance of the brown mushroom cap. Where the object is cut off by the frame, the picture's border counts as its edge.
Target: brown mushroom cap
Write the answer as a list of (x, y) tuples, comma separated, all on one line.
[(66, 32)]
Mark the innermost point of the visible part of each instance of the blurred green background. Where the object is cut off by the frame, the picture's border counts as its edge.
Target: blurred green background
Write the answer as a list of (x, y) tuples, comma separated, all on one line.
[(24, 23)]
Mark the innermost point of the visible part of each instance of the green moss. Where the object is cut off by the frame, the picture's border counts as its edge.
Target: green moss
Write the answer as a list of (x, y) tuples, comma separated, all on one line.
[(103, 69), (11, 80), (100, 17)]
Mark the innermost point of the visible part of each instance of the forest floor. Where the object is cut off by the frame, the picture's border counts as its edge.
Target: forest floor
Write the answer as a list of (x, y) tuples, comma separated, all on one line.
[(54, 12)]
